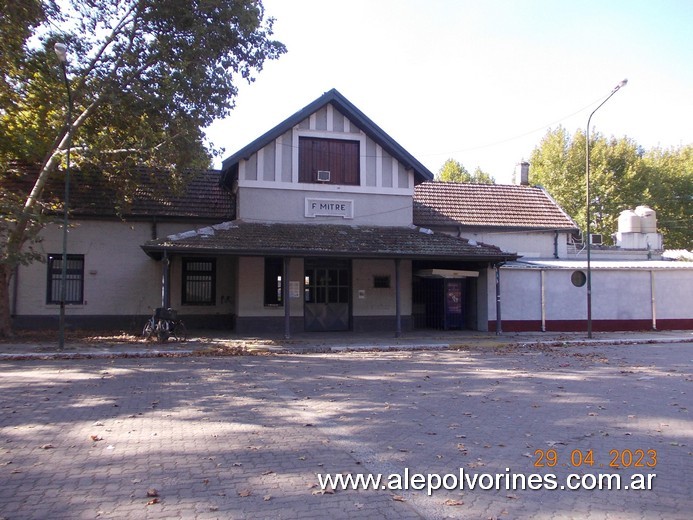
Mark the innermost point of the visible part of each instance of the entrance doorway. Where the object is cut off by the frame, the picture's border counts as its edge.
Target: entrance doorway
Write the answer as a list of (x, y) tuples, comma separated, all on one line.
[(444, 299), (327, 295)]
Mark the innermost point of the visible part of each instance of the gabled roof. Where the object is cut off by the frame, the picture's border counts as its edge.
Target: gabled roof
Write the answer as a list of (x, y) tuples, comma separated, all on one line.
[(352, 113), (499, 206), (324, 240)]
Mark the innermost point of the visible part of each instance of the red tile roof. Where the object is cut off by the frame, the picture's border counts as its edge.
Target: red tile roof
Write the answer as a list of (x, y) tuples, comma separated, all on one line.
[(198, 194), (488, 205)]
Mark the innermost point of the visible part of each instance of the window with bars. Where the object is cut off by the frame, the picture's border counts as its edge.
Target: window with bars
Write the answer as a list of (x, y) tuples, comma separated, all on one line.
[(74, 279), (199, 281)]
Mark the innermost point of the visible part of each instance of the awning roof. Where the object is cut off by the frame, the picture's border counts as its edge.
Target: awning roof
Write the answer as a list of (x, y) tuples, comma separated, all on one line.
[(646, 265), (239, 238)]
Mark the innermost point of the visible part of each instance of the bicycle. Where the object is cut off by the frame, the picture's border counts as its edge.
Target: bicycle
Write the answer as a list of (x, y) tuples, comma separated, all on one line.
[(164, 324)]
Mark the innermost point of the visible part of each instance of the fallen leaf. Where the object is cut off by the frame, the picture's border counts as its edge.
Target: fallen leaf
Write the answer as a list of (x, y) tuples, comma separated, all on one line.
[(244, 493), (453, 502), (96, 438), (47, 447), (398, 498), (152, 492), (153, 501), (267, 498)]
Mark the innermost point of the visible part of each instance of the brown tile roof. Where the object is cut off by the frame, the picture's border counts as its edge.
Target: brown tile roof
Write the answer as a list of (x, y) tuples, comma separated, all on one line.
[(311, 240), (487, 205), (198, 196)]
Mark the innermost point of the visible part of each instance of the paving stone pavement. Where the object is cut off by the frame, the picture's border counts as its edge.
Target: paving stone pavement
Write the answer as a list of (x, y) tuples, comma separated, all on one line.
[(245, 437)]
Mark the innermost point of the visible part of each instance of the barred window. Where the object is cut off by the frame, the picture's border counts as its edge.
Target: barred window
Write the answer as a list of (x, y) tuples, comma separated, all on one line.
[(199, 281), (74, 280)]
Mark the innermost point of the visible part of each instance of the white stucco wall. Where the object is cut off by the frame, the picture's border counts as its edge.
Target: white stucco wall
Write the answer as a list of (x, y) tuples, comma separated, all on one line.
[(276, 205), (617, 294), (375, 302), (251, 288), (119, 278), (370, 301)]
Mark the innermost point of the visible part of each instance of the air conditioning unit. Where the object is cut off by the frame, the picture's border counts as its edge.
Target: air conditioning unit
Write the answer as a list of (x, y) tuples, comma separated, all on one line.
[(596, 239), (323, 176)]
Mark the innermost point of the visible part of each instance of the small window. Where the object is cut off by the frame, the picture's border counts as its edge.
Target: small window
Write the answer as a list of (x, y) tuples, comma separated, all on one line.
[(199, 281), (274, 270), (578, 278), (74, 280), (381, 282)]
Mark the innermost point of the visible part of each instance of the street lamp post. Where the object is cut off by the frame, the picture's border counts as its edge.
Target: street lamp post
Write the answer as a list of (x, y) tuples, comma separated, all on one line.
[(589, 216), (61, 53)]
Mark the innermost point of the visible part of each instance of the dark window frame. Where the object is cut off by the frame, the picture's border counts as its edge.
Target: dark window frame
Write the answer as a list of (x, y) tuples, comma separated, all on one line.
[(273, 279), (382, 281), (54, 279), (204, 278), (341, 157)]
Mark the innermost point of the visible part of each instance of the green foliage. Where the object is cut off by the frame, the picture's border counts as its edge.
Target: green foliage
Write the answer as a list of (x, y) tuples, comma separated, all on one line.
[(454, 171), (481, 177), (145, 77), (622, 176)]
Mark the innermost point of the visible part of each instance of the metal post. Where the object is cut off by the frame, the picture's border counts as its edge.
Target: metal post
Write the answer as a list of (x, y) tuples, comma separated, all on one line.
[(61, 52), (398, 296), (166, 281), (499, 321), (286, 300), (588, 212)]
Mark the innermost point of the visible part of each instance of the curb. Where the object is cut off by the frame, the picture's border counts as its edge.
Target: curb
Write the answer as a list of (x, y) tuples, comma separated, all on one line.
[(327, 349)]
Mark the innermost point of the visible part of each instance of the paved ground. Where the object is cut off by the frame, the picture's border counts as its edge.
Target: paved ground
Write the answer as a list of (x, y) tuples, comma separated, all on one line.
[(246, 436)]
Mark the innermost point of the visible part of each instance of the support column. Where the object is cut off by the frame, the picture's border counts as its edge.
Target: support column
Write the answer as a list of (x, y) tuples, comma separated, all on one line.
[(166, 281), (286, 298), (398, 310), (653, 300), (543, 300), (499, 322)]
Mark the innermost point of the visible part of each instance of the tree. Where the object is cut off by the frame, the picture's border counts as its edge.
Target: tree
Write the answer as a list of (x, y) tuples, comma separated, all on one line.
[(454, 171), (146, 77), (481, 177), (622, 176)]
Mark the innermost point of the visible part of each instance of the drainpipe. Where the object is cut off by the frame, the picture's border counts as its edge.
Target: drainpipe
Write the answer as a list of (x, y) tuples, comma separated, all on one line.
[(286, 299), (555, 244), (653, 299), (499, 323), (398, 311)]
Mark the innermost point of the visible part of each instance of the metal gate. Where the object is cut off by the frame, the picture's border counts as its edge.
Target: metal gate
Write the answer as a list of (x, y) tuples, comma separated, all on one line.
[(327, 295)]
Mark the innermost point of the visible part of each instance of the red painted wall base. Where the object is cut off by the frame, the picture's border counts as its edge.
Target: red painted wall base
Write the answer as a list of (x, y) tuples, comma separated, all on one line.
[(597, 325)]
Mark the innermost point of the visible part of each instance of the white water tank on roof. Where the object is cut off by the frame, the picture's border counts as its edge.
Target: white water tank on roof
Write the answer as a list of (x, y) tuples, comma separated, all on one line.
[(648, 219), (629, 222)]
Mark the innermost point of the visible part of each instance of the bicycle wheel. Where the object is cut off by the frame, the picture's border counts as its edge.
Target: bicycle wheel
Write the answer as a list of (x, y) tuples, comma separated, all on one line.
[(148, 329), (180, 332), (163, 330)]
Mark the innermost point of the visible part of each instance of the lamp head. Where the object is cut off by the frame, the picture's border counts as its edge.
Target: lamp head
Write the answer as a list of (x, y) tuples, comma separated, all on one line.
[(61, 52), (620, 85)]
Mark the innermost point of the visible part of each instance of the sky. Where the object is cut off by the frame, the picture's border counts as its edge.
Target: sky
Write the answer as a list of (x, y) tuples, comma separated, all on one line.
[(478, 81)]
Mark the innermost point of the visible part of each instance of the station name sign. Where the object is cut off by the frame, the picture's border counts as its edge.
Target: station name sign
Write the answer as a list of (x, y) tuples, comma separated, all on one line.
[(329, 208)]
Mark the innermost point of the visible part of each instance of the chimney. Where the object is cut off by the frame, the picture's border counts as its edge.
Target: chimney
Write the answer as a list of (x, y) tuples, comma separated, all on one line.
[(521, 175)]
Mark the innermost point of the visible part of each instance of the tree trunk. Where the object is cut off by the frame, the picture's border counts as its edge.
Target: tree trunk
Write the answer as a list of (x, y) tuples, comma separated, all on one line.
[(5, 317)]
